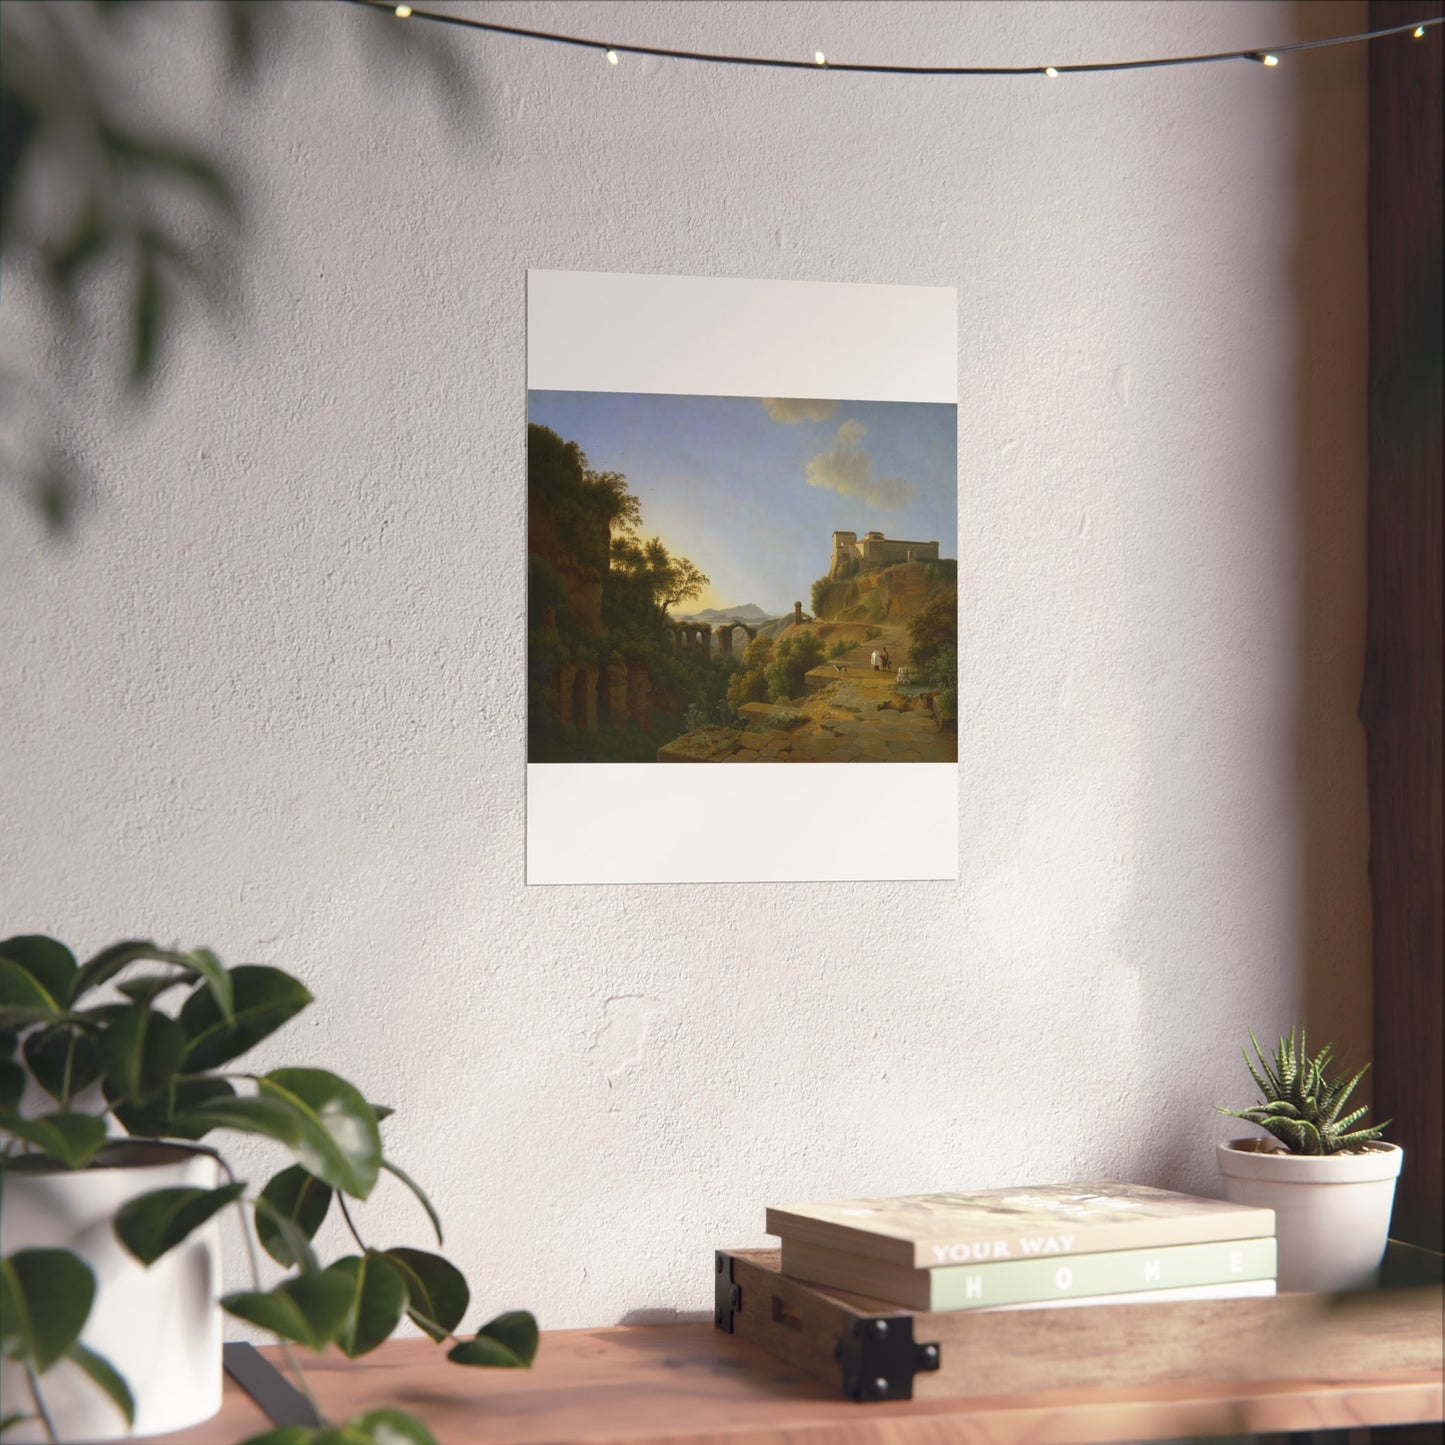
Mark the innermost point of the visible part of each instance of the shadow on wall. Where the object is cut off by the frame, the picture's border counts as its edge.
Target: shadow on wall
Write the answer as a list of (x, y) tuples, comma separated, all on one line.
[(1331, 305), (1324, 901)]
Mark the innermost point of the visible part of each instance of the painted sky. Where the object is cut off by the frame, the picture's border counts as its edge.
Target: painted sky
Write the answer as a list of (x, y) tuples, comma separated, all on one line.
[(752, 489)]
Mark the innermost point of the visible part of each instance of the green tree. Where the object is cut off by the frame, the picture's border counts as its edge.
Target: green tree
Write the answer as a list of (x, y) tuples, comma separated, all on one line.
[(751, 684), (582, 507), (933, 628), (665, 580), (791, 661)]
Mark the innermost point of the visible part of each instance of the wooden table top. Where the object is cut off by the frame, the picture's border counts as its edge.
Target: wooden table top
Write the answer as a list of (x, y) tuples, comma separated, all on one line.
[(692, 1384)]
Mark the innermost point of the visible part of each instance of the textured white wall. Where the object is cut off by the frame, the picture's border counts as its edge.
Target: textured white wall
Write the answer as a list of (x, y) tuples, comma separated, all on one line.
[(270, 698)]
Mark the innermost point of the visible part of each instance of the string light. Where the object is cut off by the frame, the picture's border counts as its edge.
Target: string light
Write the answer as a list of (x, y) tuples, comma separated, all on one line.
[(612, 57), (1260, 56)]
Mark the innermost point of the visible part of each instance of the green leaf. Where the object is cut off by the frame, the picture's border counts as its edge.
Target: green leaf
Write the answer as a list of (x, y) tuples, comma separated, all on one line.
[(163, 1117), (141, 1051), (296, 1196), (330, 1142), (23, 999), (50, 964), (310, 1310), (45, 1299), (72, 1139), (284, 1435), (340, 1143), (210, 968), (12, 1086), (11, 1421), (341, 1435), (507, 1342), (392, 1427), (378, 1296), (64, 1061), (382, 1111), (148, 989), (437, 1293), (269, 1117), (151, 1224), (295, 1243), (416, 1189), (263, 999), (109, 962), (104, 1374)]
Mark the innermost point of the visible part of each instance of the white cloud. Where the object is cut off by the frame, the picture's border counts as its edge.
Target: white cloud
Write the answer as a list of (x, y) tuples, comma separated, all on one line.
[(848, 470), (790, 409)]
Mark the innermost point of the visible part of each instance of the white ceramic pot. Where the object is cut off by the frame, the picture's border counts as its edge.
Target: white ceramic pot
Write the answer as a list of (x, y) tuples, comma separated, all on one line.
[(1331, 1211), (160, 1327)]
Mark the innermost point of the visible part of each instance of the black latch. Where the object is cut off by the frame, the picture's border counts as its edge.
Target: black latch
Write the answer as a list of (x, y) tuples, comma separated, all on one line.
[(727, 1296), (880, 1358)]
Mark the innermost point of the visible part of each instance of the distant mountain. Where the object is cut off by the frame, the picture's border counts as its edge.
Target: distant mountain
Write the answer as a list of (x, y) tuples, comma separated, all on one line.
[(748, 612)]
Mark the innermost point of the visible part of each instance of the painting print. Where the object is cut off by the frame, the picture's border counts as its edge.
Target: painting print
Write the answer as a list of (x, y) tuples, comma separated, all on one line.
[(724, 580), (742, 580)]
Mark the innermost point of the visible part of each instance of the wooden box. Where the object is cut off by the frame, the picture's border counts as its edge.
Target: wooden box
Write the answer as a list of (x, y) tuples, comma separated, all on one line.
[(871, 1350)]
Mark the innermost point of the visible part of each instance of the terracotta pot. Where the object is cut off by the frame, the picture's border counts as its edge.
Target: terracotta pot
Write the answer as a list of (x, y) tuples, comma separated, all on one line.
[(160, 1327), (1331, 1211)]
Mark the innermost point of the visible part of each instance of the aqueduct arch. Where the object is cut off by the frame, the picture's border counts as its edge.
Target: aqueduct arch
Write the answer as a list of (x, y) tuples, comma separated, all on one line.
[(725, 636)]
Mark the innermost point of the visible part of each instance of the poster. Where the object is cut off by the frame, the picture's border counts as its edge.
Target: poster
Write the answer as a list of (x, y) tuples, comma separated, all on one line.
[(742, 580)]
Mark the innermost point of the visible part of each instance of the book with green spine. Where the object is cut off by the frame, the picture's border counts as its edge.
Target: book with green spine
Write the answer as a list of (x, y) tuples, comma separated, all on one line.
[(923, 1231), (1034, 1281)]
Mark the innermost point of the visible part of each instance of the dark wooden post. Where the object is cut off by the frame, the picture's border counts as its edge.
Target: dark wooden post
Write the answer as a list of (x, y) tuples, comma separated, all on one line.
[(1400, 703)]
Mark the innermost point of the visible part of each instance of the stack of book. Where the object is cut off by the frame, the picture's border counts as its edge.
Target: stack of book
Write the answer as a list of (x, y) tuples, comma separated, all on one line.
[(1031, 1247)]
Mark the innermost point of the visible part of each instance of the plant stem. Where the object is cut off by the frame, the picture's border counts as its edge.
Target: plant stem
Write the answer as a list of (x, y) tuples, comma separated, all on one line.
[(69, 1069), (361, 1243), (39, 1403), (346, 1215), (292, 1363)]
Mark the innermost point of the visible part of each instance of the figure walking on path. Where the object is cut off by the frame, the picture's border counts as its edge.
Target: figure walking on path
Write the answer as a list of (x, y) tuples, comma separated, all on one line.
[(877, 661), (883, 658)]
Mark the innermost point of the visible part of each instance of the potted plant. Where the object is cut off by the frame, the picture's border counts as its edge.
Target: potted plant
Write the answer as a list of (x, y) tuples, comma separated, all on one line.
[(113, 1086), (1331, 1185)]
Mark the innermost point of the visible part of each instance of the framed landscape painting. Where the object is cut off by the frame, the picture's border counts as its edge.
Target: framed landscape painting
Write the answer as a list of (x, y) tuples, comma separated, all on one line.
[(742, 559)]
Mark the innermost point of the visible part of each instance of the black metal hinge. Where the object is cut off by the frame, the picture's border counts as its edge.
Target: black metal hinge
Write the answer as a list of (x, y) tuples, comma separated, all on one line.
[(880, 1358), (727, 1296)]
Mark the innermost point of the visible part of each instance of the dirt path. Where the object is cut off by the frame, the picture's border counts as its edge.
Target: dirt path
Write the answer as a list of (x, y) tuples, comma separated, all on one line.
[(850, 714)]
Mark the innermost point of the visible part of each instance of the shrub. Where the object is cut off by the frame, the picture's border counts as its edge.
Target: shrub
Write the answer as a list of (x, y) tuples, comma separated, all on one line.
[(933, 629), (942, 573), (792, 658), (751, 684), (942, 672), (838, 649)]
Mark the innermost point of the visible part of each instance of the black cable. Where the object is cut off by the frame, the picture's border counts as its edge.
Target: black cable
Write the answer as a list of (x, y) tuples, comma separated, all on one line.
[(1259, 54)]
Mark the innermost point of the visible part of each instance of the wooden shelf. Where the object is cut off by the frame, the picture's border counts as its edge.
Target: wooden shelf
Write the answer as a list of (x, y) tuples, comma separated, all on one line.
[(670, 1384)]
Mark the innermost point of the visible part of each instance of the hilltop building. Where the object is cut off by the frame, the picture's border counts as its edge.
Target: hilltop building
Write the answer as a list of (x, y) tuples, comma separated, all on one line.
[(876, 550)]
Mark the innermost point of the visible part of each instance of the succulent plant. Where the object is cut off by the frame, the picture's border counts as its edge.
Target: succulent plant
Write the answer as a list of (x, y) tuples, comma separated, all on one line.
[(1301, 1108)]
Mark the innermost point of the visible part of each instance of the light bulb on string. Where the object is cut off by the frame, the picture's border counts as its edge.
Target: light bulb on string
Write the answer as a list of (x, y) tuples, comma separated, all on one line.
[(1260, 57)]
